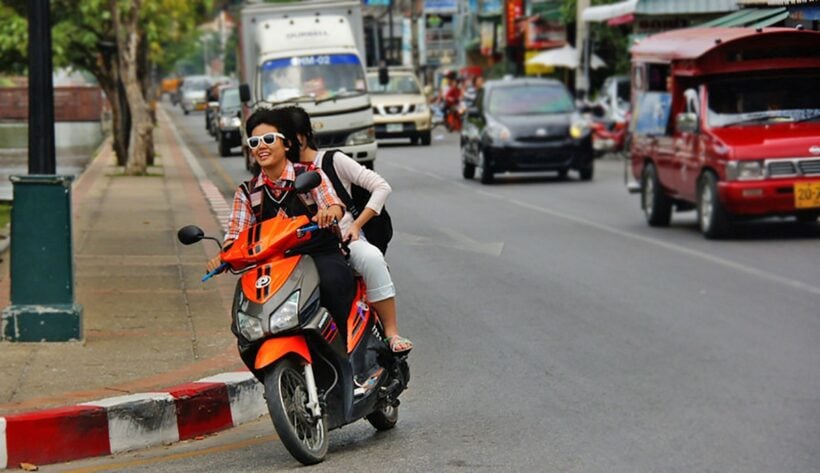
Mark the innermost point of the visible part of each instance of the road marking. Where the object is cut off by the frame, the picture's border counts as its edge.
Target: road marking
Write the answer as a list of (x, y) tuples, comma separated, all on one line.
[(177, 456), (634, 236), (673, 247)]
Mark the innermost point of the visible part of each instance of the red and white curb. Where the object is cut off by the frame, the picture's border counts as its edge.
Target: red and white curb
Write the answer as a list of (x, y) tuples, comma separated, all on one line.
[(123, 423)]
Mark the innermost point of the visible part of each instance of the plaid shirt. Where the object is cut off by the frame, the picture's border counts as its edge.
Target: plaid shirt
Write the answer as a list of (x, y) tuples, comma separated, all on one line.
[(242, 215)]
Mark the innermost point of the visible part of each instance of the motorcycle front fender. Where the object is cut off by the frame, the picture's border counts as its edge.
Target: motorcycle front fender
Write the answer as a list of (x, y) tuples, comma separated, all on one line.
[(275, 348)]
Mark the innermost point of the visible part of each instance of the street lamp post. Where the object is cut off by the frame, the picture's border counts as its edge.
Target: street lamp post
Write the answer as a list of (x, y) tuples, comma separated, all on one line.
[(42, 273)]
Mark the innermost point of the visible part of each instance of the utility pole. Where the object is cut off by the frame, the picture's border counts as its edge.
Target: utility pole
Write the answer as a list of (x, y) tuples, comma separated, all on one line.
[(581, 46)]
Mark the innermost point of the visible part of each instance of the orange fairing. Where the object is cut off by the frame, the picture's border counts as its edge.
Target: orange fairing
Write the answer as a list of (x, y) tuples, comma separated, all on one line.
[(265, 240), (358, 317), (261, 283), (275, 348)]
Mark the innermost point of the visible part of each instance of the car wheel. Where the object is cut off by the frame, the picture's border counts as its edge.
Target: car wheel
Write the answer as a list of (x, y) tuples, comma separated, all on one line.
[(425, 138), (486, 171), (657, 207), (587, 172), (713, 219), (224, 149)]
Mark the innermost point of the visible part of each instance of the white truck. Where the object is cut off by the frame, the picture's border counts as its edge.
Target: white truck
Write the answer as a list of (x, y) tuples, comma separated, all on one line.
[(310, 54)]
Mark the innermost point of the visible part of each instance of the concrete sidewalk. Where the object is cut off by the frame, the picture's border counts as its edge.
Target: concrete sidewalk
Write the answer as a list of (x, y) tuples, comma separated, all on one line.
[(150, 325)]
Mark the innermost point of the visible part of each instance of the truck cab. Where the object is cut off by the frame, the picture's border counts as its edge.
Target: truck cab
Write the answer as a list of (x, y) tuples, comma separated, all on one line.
[(310, 54), (727, 121)]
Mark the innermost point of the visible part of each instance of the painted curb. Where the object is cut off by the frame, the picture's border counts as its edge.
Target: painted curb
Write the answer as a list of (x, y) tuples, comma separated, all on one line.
[(123, 423)]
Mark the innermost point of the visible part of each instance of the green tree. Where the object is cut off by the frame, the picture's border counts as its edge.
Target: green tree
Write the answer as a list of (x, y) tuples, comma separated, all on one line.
[(84, 37)]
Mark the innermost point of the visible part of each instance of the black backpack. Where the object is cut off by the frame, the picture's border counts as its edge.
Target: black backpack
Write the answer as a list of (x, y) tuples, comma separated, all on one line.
[(379, 229)]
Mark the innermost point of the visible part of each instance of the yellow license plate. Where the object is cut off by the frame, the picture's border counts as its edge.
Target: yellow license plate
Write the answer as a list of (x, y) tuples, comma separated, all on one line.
[(200, 106), (806, 195)]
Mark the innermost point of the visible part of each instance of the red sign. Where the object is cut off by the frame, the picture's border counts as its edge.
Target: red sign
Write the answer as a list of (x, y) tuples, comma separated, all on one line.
[(515, 9)]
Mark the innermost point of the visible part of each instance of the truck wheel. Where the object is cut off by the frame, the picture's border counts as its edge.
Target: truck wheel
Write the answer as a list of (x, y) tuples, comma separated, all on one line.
[(713, 219), (657, 207)]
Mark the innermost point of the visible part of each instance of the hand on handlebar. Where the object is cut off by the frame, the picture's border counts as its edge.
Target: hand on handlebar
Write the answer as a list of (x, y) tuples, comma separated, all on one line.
[(214, 263), (326, 217)]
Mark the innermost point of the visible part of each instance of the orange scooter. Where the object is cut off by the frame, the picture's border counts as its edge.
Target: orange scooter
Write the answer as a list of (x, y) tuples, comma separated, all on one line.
[(317, 375)]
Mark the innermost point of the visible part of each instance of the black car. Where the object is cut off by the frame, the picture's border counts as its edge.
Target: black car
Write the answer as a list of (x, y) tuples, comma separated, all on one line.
[(228, 120), (525, 124)]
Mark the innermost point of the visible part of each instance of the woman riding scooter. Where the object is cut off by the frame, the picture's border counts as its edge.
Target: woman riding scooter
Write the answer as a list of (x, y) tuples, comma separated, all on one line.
[(271, 193)]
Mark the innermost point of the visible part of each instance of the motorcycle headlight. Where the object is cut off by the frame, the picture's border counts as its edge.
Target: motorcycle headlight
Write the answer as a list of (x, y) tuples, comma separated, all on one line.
[(361, 137), (250, 327), (286, 315), (744, 170), (578, 129), (499, 132)]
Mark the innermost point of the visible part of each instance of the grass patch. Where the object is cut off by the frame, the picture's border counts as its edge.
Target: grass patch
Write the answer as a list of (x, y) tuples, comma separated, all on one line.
[(5, 214)]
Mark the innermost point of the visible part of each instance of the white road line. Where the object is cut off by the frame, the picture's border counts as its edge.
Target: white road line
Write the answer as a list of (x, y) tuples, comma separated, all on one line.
[(634, 236)]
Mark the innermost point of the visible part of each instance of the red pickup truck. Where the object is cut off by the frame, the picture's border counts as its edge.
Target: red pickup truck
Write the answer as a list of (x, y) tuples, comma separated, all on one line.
[(727, 121)]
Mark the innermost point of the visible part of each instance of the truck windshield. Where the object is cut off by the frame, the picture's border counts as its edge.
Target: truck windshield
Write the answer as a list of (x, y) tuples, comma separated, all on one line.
[(753, 100), (529, 100), (398, 84), (312, 77)]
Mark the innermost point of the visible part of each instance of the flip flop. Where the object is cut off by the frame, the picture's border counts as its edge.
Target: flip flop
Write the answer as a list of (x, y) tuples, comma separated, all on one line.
[(399, 344)]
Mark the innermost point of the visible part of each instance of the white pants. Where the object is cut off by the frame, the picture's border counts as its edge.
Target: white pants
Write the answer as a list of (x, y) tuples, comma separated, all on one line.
[(368, 261)]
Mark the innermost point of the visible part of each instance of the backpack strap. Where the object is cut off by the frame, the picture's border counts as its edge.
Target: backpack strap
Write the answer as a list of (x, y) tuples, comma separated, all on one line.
[(330, 171)]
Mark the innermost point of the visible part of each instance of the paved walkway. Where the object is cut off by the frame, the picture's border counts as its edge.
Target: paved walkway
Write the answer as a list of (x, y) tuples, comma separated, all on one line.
[(149, 321)]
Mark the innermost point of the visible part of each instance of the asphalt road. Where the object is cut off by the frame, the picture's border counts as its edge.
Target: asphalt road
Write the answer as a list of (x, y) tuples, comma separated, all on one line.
[(556, 331)]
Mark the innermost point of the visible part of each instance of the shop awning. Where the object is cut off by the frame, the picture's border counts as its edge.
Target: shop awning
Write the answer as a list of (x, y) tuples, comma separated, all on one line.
[(749, 17), (607, 12)]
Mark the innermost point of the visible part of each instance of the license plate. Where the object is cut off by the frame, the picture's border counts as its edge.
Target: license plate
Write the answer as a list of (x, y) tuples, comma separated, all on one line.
[(807, 195), (395, 127), (200, 106)]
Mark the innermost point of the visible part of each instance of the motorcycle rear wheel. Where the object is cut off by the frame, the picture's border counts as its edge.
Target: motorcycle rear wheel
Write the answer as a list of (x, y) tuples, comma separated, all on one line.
[(287, 397), (384, 418)]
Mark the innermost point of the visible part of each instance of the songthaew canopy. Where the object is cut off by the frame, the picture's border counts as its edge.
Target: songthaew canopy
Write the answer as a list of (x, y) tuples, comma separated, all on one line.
[(749, 17)]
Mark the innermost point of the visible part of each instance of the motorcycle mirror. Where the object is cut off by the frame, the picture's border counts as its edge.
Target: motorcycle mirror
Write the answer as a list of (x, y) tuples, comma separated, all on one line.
[(307, 181), (190, 234)]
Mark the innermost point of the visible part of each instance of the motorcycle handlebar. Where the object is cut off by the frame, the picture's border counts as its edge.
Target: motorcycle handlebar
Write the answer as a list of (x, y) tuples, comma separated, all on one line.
[(219, 269)]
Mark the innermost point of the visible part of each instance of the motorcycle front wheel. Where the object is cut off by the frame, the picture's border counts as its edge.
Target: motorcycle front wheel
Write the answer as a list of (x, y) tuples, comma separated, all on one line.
[(287, 397)]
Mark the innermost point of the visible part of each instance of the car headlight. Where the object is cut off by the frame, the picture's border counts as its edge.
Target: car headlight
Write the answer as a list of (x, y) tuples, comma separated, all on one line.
[(422, 107), (286, 315), (578, 130), (498, 132), (744, 170), (250, 327), (361, 137), (230, 122)]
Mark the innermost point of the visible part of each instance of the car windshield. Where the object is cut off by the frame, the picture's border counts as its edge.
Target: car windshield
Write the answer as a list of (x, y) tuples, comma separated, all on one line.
[(312, 77), (529, 100), (755, 100), (230, 98), (196, 84), (398, 84)]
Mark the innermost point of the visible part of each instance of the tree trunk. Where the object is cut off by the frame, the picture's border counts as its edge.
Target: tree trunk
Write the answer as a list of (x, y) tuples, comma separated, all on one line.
[(127, 45), (105, 70), (143, 71)]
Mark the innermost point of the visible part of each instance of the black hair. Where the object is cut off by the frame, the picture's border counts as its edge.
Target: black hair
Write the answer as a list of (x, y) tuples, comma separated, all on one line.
[(302, 125), (281, 119)]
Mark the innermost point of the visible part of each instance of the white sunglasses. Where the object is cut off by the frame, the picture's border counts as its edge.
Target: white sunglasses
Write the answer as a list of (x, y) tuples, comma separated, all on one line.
[(268, 138)]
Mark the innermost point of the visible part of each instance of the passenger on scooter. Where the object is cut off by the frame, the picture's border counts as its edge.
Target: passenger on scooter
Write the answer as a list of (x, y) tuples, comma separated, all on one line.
[(365, 258), (269, 193)]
